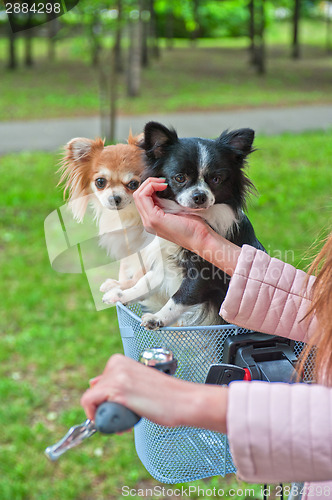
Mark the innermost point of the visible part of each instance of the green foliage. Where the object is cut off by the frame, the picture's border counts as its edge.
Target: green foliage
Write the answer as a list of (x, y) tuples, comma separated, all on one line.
[(53, 341), (290, 172), (178, 15), (228, 18), (224, 19)]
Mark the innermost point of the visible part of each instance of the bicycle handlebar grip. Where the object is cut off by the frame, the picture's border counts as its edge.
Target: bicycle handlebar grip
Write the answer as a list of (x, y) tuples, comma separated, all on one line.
[(112, 417)]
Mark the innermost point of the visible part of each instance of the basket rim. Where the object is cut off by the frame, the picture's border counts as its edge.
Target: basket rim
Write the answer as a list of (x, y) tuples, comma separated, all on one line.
[(122, 307)]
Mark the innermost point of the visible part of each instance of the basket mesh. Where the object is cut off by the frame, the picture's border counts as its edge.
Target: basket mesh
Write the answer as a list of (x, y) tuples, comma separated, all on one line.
[(182, 454)]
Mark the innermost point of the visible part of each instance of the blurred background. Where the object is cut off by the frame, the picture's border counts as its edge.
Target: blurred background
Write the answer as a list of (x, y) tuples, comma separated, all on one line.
[(99, 69)]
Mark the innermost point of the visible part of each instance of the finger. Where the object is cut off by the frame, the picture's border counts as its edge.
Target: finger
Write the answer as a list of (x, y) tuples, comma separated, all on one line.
[(145, 202), (145, 205), (93, 381), (91, 399), (157, 180), (124, 432), (150, 186)]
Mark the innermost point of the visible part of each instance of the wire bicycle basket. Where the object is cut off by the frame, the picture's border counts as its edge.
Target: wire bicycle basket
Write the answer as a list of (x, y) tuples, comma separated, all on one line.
[(181, 454)]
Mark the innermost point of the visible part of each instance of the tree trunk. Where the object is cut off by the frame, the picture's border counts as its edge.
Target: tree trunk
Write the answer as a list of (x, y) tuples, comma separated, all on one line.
[(134, 64), (195, 32), (28, 49), (169, 28), (261, 69), (145, 37), (251, 7), (94, 39), (258, 56), (153, 31), (51, 50), (328, 27), (296, 19), (108, 81), (52, 29), (118, 38), (28, 60), (103, 98), (113, 95), (12, 56)]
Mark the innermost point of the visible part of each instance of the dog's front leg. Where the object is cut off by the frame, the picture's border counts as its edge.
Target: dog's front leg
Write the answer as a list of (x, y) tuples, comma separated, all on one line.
[(167, 315), (126, 277), (122, 284), (144, 287)]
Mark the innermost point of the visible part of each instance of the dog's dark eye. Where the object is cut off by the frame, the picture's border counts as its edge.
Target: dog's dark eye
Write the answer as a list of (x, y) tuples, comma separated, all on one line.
[(100, 182), (132, 185), (180, 178), (216, 180)]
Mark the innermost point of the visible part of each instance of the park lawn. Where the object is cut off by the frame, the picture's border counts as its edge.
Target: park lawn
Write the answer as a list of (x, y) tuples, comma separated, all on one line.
[(211, 75), (53, 340)]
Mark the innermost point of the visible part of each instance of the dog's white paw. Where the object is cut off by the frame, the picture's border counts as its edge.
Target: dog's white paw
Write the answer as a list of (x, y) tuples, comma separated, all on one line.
[(114, 295), (151, 321), (108, 285)]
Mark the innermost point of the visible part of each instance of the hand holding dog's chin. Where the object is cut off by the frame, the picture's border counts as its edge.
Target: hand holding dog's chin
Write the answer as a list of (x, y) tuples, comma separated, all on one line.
[(185, 230), (188, 231)]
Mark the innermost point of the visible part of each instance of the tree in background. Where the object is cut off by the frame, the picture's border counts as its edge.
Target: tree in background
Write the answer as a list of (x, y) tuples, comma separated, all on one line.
[(296, 22), (123, 35), (328, 16), (258, 23), (119, 66), (153, 32), (12, 56), (28, 35), (135, 51), (53, 27)]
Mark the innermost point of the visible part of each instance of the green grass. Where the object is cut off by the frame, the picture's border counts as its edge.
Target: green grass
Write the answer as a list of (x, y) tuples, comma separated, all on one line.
[(212, 75), (53, 341), (293, 176)]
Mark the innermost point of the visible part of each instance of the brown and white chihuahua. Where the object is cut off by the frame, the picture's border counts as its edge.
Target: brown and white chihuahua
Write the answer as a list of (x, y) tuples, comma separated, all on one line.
[(106, 177)]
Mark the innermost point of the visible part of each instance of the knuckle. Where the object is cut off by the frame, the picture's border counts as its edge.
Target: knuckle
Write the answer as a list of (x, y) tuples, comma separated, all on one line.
[(114, 361), (84, 399), (117, 359), (123, 379)]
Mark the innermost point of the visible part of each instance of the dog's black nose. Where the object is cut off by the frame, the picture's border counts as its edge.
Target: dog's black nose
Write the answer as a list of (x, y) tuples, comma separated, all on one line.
[(115, 199), (199, 198)]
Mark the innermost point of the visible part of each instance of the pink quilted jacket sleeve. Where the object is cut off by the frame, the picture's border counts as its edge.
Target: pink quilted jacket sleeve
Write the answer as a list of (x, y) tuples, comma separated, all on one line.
[(268, 295), (277, 432), (280, 432)]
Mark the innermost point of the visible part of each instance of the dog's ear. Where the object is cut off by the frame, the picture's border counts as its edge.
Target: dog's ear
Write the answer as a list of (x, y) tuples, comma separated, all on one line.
[(157, 138), (81, 149), (135, 140), (75, 169), (241, 140)]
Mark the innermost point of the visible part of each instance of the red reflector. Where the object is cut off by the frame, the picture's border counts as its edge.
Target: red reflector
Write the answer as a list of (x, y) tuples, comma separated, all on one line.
[(247, 375)]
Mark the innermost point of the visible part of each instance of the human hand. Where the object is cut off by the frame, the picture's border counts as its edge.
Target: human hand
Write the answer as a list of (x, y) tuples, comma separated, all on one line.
[(117, 384), (159, 397), (188, 231)]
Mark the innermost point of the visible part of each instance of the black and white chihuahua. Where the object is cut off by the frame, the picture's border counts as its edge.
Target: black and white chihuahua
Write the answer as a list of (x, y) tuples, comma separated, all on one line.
[(205, 177)]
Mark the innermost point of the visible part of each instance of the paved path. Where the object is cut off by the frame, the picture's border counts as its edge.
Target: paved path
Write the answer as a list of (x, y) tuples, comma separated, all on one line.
[(50, 135)]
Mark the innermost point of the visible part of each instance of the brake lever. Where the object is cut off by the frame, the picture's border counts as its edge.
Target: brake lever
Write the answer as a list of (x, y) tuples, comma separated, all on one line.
[(112, 417)]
